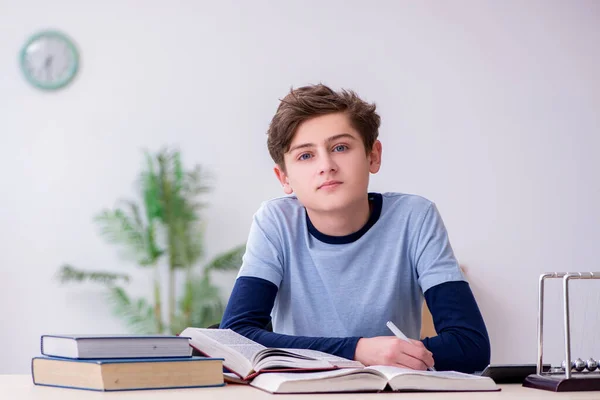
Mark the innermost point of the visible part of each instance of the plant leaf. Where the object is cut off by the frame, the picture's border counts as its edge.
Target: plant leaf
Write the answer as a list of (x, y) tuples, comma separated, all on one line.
[(178, 194), (227, 261), (150, 190), (68, 273), (119, 228), (127, 230), (151, 249), (138, 315), (192, 241), (200, 305)]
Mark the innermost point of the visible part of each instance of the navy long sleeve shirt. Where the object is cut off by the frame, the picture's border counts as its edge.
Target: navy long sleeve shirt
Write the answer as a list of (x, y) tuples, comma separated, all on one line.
[(462, 342)]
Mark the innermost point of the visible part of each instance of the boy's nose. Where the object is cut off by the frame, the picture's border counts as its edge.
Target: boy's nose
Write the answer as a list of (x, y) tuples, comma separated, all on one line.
[(327, 165)]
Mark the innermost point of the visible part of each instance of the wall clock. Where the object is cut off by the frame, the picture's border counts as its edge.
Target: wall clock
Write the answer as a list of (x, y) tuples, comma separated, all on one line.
[(49, 60)]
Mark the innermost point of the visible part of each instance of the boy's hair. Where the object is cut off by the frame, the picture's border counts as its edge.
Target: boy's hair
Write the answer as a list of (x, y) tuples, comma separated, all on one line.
[(307, 102)]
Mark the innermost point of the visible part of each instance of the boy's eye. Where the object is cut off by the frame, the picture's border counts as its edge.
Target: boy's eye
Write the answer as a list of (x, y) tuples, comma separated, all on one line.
[(340, 147), (304, 156)]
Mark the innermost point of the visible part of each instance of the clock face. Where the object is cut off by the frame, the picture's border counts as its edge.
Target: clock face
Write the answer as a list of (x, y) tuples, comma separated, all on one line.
[(49, 60)]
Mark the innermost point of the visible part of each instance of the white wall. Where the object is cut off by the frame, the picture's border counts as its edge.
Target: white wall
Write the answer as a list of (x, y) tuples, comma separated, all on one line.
[(489, 108)]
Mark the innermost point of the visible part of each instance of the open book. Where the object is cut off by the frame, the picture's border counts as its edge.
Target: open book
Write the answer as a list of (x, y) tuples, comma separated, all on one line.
[(372, 379), (247, 358)]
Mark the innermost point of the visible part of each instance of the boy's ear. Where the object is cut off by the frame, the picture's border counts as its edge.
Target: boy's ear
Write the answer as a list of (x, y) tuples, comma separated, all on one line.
[(283, 179), (375, 157)]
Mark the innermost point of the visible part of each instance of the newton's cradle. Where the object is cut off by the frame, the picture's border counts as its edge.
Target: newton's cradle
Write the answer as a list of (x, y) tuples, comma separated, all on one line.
[(573, 375)]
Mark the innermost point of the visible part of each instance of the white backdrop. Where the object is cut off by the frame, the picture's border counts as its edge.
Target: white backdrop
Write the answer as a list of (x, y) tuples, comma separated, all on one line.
[(489, 108)]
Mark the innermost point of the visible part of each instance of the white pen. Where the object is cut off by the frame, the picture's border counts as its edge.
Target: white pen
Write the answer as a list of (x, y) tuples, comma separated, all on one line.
[(398, 333)]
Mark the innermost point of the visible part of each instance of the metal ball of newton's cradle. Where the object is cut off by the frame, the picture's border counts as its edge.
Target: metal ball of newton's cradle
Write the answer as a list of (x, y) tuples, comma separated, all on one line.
[(564, 365), (577, 365), (591, 364), (580, 365)]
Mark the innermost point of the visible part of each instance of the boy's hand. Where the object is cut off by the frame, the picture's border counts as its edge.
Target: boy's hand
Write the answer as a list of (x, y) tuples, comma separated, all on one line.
[(389, 350)]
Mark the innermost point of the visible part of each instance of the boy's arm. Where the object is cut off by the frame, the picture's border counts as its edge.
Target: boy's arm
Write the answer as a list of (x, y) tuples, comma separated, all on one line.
[(462, 343), (248, 312)]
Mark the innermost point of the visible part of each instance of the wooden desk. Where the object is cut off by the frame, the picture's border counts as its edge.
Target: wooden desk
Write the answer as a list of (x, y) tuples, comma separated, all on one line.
[(20, 387)]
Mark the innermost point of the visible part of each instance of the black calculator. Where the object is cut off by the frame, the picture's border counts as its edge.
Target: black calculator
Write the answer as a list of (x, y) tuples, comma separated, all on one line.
[(511, 373)]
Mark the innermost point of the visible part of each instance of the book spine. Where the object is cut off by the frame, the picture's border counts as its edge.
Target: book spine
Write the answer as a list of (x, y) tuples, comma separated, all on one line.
[(32, 371)]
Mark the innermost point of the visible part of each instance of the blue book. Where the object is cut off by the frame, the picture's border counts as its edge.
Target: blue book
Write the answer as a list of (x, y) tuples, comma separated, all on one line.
[(127, 374), (115, 346)]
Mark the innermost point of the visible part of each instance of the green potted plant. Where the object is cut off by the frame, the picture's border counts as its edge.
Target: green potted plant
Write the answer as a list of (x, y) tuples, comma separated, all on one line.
[(164, 228)]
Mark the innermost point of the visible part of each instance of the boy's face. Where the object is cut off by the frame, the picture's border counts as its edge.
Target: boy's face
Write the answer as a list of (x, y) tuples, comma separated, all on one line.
[(327, 166)]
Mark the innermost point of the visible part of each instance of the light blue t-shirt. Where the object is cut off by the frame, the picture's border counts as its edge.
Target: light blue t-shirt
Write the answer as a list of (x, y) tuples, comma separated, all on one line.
[(350, 286)]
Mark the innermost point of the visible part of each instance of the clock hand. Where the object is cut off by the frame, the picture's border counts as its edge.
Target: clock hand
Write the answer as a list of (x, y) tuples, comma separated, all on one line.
[(47, 66)]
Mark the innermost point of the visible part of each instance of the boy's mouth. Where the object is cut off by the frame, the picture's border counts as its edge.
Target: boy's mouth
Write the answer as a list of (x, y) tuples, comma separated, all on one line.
[(329, 184)]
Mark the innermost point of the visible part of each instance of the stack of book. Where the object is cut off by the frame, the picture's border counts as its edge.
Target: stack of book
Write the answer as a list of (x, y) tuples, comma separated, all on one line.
[(123, 362)]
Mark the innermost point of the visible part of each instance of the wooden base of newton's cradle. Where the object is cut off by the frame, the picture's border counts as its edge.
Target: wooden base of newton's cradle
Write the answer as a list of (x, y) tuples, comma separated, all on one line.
[(566, 380), (558, 383)]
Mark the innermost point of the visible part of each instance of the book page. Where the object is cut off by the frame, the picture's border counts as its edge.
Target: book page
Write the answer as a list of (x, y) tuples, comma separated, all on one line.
[(235, 341), (341, 380), (332, 359), (408, 379), (390, 372), (307, 376)]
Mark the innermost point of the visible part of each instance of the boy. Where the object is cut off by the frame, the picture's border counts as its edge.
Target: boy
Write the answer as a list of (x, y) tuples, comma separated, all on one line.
[(332, 263)]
